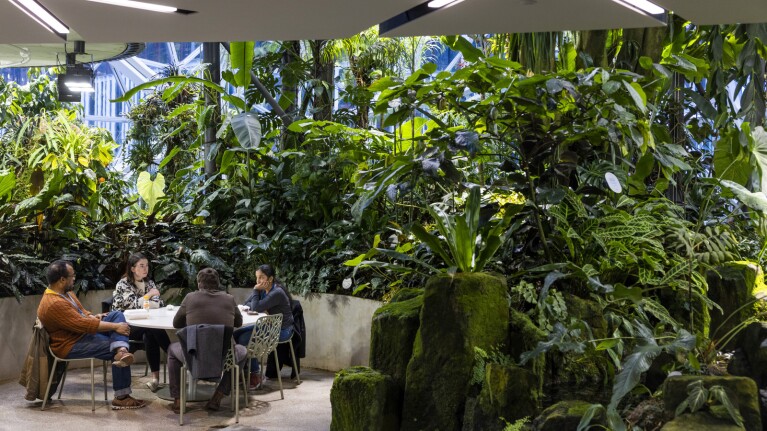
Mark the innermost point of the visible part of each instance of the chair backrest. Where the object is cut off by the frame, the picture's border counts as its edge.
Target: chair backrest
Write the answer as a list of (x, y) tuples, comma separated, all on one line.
[(200, 353), (266, 334)]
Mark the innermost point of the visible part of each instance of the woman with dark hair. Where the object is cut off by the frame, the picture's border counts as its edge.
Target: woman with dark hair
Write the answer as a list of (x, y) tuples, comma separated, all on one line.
[(272, 297), (129, 294)]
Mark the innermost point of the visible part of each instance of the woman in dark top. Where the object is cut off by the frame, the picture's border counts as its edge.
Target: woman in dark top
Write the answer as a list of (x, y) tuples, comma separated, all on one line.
[(269, 296)]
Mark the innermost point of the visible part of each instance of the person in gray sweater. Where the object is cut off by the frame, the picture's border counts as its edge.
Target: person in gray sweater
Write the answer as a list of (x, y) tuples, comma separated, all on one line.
[(208, 305)]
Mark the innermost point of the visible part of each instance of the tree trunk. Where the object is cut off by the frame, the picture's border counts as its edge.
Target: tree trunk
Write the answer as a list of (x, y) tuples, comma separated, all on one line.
[(593, 44), (324, 73), (212, 57)]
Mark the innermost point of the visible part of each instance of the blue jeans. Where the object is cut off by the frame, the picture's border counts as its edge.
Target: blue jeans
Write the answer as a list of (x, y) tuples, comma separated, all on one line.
[(102, 345), (242, 337)]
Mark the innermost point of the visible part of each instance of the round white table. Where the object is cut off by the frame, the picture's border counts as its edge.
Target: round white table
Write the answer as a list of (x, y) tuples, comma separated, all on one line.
[(162, 318)]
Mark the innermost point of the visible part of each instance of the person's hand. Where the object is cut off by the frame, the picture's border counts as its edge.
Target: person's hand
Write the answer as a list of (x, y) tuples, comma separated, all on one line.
[(123, 328), (153, 292)]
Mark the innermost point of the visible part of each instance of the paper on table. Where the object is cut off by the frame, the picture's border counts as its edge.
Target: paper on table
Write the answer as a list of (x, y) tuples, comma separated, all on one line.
[(136, 314)]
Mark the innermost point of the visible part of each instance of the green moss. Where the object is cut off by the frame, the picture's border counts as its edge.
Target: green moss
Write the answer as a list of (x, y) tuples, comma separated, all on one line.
[(392, 335), (459, 312), (589, 312), (741, 391), (700, 421), (362, 398), (508, 392), (405, 294), (523, 337)]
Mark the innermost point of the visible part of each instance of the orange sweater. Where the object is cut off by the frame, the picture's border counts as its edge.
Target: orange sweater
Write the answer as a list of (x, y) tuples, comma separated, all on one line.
[(64, 322)]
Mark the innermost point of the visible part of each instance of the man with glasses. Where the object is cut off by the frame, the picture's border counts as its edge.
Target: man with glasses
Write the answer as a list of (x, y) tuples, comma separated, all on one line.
[(77, 333)]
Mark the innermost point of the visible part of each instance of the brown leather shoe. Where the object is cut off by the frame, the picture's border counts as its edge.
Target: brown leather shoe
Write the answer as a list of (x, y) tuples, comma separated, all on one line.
[(215, 401), (127, 403), (123, 359)]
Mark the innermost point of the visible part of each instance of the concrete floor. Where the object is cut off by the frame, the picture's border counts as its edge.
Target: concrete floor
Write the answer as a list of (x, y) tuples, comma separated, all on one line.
[(306, 407)]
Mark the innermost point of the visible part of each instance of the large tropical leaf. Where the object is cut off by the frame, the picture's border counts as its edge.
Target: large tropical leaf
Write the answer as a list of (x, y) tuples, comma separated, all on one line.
[(247, 128), (241, 56), (149, 190), (730, 161)]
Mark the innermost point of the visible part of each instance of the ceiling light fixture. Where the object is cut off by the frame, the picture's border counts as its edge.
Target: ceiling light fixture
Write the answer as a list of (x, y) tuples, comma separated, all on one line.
[(415, 13), (153, 7), (43, 16), (77, 78), (642, 6), (436, 4)]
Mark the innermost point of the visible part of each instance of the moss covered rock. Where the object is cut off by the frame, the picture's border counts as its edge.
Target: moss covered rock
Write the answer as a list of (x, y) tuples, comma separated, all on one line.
[(566, 415), (741, 391), (700, 421), (393, 333), (364, 399), (589, 312), (733, 286), (750, 358), (508, 392), (460, 312), (524, 337)]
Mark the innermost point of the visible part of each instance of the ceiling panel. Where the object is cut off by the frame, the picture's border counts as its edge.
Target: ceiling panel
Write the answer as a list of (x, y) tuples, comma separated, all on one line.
[(226, 20), (523, 16), (708, 12)]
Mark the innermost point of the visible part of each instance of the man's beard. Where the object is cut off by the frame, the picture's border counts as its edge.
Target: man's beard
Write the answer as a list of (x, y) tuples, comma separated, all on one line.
[(69, 288)]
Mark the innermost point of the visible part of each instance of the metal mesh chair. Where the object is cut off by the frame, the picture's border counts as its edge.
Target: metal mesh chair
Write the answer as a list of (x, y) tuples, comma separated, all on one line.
[(230, 364), (56, 361), (264, 340)]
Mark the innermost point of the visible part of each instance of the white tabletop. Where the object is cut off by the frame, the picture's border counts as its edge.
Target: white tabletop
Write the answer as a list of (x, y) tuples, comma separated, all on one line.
[(161, 318)]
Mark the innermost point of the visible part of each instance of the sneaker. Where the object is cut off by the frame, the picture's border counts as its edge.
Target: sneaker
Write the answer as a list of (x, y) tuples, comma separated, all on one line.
[(127, 403), (154, 385), (255, 382), (123, 359)]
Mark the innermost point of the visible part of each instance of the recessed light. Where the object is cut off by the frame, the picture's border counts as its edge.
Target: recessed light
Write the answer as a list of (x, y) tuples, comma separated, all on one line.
[(434, 4), (139, 5), (642, 6), (39, 13)]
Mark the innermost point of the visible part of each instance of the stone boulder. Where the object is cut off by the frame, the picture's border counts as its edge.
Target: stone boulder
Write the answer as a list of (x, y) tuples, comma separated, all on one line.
[(364, 399), (508, 392), (460, 312), (741, 391), (393, 333), (733, 286), (750, 359), (700, 421), (566, 415)]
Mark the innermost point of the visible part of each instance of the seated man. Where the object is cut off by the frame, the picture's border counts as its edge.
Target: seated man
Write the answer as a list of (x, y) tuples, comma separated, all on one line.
[(77, 333), (208, 305)]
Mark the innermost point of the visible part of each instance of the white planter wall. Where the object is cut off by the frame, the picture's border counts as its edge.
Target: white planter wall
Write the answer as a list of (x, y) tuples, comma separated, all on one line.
[(337, 326)]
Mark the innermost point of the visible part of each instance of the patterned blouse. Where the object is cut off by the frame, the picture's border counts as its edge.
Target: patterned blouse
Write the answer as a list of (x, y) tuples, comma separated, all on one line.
[(127, 296)]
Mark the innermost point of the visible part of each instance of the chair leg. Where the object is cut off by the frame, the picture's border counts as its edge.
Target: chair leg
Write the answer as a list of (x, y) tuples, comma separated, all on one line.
[(93, 387), (104, 370), (293, 356), (183, 396), (63, 378), (279, 373), (50, 379), (245, 383), (236, 393)]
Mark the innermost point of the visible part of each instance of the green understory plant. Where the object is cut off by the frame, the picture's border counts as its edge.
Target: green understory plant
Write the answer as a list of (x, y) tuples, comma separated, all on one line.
[(713, 399)]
